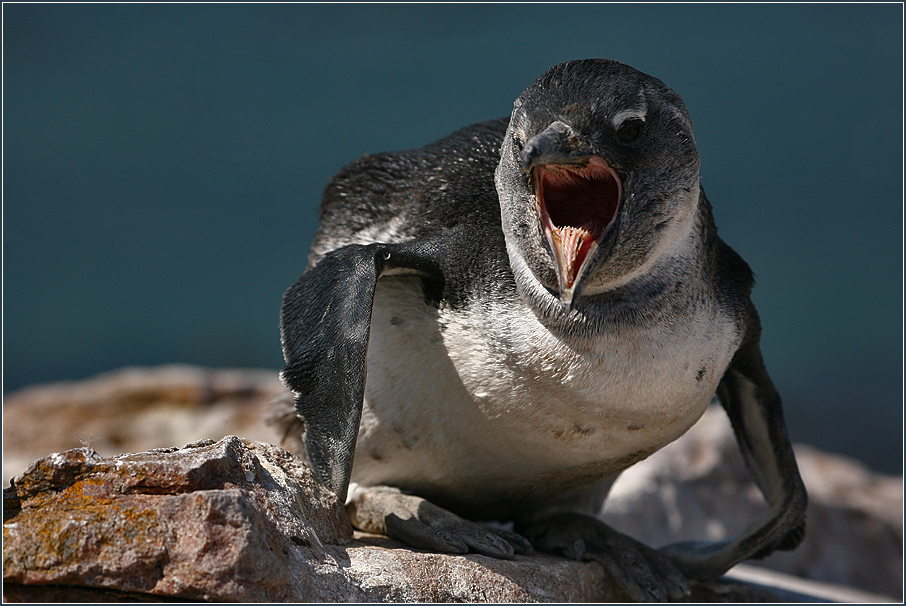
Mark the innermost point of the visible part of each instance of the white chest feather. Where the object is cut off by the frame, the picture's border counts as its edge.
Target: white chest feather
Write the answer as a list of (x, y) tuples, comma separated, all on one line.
[(491, 395)]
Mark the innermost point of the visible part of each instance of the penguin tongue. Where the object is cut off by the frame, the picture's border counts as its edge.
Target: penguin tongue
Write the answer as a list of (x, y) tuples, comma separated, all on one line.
[(576, 203), (572, 245)]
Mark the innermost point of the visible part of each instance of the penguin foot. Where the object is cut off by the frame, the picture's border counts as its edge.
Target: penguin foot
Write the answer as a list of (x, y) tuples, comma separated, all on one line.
[(644, 573), (421, 524)]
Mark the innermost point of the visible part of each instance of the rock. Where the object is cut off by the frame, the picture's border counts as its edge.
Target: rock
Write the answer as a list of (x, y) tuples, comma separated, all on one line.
[(222, 521), (234, 521), (136, 409), (695, 488), (237, 520)]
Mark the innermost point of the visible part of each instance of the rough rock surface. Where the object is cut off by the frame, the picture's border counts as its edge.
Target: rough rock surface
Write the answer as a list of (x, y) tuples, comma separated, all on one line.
[(211, 521), (244, 521), (695, 488)]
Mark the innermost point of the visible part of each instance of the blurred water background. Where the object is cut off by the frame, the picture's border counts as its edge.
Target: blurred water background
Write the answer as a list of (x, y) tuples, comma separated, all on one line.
[(163, 164)]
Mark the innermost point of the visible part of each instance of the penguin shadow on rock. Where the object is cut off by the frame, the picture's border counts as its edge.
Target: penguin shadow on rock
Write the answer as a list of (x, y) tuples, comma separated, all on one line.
[(495, 325)]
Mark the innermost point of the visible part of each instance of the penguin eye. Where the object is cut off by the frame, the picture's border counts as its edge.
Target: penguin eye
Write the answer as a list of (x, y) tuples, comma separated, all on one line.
[(630, 129)]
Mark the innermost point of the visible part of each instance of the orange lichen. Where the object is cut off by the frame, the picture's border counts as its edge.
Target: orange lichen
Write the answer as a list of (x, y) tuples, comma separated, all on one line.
[(85, 519)]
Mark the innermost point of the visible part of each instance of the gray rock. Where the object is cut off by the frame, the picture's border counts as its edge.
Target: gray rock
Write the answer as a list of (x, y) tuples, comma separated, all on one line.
[(243, 521), (223, 521), (234, 521)]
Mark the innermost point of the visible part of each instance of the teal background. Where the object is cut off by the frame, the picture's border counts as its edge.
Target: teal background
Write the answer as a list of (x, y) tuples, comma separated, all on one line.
[(163, 165)]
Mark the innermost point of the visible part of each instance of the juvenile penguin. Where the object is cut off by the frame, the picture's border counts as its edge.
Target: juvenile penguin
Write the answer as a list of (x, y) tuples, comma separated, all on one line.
[(537, 303)]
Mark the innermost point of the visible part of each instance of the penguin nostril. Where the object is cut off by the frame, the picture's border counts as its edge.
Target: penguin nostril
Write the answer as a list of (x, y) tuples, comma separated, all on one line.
[(529, 154)]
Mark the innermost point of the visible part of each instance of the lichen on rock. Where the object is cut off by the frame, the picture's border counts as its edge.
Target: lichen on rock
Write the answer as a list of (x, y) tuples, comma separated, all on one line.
[(212, 520)]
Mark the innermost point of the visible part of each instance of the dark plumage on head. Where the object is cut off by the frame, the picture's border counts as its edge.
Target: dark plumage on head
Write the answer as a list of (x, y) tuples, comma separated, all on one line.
[(598, 176)]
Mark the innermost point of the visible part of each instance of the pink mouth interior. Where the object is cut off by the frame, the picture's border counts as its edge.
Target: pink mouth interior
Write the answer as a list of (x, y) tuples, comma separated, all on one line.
[(577, 203)]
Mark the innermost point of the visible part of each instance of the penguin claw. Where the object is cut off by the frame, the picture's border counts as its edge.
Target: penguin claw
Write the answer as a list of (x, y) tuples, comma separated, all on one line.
[(644, 574), (414, 533), (520, 544), (421, 524)]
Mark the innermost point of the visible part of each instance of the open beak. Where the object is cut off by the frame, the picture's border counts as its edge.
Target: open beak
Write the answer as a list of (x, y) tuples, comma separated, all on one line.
[(577, 197)]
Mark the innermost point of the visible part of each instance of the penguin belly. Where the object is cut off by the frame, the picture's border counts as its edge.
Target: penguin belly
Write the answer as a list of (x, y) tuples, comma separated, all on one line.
[(483, 410)]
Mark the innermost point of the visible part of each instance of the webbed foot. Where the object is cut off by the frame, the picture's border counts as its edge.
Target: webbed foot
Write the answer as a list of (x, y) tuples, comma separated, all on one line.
[(421, 524), (644, 573)]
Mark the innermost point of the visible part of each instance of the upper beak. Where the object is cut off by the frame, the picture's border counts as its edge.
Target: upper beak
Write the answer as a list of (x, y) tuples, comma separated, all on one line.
[(557, 144)]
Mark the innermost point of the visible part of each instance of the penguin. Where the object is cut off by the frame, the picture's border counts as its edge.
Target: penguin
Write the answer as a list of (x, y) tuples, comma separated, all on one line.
[(493, 326)]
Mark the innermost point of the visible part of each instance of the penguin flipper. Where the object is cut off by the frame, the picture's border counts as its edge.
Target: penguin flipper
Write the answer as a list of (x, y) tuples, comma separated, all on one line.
[(325, 323), (753, 404)]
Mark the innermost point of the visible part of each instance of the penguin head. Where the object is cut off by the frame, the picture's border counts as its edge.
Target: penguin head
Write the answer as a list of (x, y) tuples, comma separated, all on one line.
[(598, 177)]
